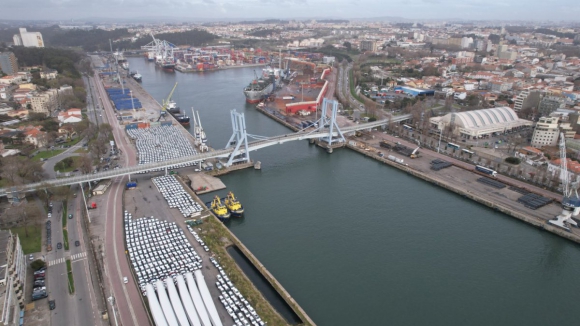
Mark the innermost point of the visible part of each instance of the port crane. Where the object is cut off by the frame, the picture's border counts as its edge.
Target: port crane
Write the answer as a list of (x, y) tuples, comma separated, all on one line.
[(166, 103), (570, 200)]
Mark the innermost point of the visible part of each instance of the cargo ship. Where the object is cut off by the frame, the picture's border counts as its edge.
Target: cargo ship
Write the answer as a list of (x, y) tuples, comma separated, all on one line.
[(258, 89), (219, 209), (233, 205), (166, 63), (176, 113)]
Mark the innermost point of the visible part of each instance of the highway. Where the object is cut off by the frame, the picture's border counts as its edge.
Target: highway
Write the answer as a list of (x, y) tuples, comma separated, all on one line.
[(128, 307)]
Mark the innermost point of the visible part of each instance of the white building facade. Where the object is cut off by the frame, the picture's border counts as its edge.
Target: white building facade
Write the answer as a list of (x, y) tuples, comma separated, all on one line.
[(546, 132), (28, 39)]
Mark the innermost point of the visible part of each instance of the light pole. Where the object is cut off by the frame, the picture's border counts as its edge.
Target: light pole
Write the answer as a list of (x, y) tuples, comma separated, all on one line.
[(440, 135), (112, 302)]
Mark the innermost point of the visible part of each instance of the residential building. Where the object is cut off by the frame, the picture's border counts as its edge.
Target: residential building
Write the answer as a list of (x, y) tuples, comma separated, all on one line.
[(70, 116), (12, 278), (572, 166), (368, 45), (500, 86), (473, 124), (28, 39), (546, 132), (8, 63), (466, 42), (549, 104), (527, 99), (35, 137), (48, 74), (503, 53), (45, 102)]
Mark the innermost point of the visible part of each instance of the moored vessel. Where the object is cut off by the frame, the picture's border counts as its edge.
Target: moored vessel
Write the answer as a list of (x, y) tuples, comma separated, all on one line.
[(258, 89), (233, 205), (219, 209)]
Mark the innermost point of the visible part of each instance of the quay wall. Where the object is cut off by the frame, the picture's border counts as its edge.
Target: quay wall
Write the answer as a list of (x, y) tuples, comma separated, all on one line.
[(261, 268)]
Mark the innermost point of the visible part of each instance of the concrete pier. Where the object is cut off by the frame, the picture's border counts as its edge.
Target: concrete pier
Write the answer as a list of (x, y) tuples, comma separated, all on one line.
[(203, 183)]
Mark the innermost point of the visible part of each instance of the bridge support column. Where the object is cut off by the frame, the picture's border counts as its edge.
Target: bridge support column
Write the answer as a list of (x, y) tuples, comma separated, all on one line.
[(329, 122), (311, 140), (329, 150), (239, 138)]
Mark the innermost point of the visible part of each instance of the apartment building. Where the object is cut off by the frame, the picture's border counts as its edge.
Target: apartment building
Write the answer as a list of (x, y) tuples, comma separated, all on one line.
[(368, 45), (546, 132), (549, 104), (28, 39), (527, 99), (8, 63), (44, 102), (12, 278)]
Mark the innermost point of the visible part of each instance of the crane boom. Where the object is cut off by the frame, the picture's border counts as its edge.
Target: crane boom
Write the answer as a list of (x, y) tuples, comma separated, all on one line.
[(564, 166), (166, 101)]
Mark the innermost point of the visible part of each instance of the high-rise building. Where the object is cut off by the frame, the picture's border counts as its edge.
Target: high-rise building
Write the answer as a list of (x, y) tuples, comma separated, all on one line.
[(546, 132), (527, 99), (368, 45), (549, 104), (28, 39), (12, 278), (8, 63)]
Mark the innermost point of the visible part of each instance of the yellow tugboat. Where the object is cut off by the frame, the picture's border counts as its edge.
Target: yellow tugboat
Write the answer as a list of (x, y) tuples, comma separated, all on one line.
[(219, 209), (233, 205)]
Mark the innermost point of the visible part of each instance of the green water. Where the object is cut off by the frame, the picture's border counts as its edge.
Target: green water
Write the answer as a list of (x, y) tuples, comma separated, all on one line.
[(359, 243)]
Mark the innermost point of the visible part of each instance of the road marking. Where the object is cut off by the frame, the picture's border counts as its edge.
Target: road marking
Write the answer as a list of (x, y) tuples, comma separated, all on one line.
[(78, 256), (56, 261)]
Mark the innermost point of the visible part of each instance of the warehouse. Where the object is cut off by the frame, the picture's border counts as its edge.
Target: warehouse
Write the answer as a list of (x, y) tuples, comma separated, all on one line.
[(414, 91), (480, 123)]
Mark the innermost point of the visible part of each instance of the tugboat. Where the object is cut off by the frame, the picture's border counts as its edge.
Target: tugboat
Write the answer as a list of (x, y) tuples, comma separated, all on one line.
[(233, 205), (219, 209)]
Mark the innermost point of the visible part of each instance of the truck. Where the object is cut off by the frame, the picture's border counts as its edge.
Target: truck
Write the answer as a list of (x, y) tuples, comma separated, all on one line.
[(131, 185)]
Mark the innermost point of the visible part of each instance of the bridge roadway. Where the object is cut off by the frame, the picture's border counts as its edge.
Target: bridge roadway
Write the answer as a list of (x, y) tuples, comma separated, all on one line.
[(252, 146)]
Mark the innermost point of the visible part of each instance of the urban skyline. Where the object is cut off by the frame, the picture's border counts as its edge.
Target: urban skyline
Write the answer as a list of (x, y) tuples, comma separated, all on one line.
[(290, 9)]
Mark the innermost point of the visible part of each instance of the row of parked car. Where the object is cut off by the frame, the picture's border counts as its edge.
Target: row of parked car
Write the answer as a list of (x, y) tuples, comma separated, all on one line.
[(236, 305), (39, 287)]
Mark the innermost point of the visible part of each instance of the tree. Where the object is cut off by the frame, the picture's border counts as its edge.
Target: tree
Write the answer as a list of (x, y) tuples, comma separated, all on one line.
[(347, 45), (84, 163), (24, 214)]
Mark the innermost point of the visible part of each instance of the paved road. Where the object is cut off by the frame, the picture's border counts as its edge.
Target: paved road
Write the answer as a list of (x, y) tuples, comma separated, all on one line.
[(57, 283), (128, 304)]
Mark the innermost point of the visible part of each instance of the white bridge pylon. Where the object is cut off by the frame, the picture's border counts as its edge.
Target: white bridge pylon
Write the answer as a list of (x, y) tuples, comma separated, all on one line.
[(329, 122)]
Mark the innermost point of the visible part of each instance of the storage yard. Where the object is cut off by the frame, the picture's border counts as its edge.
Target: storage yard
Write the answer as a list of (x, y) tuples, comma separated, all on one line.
[(156, 144), (176, 196)]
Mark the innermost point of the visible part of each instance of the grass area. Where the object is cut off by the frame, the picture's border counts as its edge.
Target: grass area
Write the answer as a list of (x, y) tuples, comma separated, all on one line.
[(47, 154), (64, 211), (70, 168), (81, 151), (71, 281), (212, 232), (32, 242), (352, 87), (65, 238), (73, 142)]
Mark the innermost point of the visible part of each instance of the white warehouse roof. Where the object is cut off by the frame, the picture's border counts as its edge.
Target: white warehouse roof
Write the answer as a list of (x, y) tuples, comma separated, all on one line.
[(485, 121)]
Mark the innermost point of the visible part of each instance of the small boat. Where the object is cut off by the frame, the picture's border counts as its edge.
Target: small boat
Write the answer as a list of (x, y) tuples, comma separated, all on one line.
[(236, 209), (219, 209), (137, 76)]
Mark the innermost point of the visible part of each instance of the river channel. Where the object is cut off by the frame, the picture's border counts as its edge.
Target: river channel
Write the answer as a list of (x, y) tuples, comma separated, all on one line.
[(356, 242)]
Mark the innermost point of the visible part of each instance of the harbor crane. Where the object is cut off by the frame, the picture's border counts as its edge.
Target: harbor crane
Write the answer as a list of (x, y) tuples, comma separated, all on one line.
[(166, 102), (570, 200)]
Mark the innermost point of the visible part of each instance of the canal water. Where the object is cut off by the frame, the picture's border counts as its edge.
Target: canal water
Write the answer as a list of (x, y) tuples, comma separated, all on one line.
[(356, 242)]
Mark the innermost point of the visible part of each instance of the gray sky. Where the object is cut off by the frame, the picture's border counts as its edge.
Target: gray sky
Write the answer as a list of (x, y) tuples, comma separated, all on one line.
[(264, 9)]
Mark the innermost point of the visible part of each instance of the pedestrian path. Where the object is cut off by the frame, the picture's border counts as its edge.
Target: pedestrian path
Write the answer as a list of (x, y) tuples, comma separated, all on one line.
[(74, 257)]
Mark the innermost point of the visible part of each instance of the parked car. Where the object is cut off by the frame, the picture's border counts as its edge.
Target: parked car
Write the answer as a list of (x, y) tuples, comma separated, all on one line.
[(59, 245), (51, 304)]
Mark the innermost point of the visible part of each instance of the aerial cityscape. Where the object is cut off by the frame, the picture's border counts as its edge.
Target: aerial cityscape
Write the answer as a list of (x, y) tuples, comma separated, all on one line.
[(251, 163)]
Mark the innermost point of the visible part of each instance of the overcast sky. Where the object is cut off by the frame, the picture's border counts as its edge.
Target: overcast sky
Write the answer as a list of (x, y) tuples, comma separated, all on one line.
[(263, 9)]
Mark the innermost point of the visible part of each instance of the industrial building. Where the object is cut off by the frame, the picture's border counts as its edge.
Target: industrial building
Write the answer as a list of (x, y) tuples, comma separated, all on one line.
[(12, 278), (28, 39), (414, 91), (8, 63), (478, 123)]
